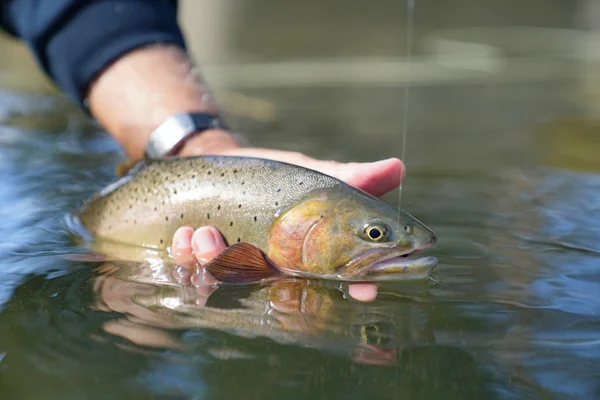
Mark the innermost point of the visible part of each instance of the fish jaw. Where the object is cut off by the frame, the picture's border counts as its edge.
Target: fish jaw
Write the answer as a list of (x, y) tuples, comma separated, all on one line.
[(389, 264), (399, 268)]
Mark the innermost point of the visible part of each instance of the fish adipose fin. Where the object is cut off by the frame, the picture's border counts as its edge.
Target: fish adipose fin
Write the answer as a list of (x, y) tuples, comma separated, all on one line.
[(241, 263)]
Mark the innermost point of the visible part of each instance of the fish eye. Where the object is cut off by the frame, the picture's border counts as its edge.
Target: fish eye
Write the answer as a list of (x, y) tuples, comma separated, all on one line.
[(376, 232), (408, 229)]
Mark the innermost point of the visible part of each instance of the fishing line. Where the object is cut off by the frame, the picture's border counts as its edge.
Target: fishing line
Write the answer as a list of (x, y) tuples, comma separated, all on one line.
[(410, 7)]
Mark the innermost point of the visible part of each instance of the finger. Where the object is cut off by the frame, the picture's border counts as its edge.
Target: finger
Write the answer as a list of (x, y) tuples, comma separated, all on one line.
[(142, 335), (365, 292), (203, 281), (204, 291), (377, 178), (182, 246), (207, 243)]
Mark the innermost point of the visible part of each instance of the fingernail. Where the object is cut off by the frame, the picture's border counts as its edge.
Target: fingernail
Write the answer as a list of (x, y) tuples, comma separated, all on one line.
[(205, 240), (183, 238)]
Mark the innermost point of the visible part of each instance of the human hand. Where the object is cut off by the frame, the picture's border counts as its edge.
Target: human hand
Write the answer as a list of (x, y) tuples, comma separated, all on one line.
[(194, 248)]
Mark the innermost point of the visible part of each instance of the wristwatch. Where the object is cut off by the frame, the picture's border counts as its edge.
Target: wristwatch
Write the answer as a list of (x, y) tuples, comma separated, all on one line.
[(171, 135)]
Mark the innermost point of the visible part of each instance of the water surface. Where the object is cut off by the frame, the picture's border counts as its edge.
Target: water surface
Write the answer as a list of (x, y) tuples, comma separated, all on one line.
[(502, 164)]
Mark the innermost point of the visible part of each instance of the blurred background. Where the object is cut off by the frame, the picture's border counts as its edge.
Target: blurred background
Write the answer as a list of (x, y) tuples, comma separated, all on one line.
[(289, 76), (503, 137)]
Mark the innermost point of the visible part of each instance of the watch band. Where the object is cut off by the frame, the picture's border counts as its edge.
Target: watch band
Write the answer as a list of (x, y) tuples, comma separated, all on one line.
[(172, 134)]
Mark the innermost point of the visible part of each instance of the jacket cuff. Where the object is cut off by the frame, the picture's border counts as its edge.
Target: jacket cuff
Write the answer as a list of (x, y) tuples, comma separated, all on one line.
[(98, 33)]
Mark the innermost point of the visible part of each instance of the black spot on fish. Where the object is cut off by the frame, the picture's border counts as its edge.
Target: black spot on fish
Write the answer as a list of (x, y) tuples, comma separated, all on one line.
[(276, 203), (149, 190), (229, 182), (278, 190), (243, 182), (179, 175), (239, 240), (209, 172), (235, 171), (166, 218), (175, 191), (219, 207), (207, 215), (155, 208), (161, 241), (321, 216), (239, 206), (135, 190), (130, 206), (231, 223), (181, 216), (301, 183), (255, 218), (222, 174), (193, 176)]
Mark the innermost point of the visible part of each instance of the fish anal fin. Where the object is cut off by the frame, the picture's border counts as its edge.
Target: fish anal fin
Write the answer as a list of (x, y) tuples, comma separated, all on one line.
[(241, 263)]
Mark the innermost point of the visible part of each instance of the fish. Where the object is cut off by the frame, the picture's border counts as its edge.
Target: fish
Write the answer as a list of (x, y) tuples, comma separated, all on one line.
[(278, 219)]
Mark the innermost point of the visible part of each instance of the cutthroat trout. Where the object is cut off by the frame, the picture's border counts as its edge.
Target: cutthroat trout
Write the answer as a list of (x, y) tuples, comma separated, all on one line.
[(278, 218)]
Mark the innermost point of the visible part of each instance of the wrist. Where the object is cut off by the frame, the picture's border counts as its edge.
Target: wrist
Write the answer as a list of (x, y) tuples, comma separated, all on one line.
[(213, 141)]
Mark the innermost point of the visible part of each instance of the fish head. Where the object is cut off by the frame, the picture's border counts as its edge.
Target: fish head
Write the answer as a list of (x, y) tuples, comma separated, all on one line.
[(350, 236)]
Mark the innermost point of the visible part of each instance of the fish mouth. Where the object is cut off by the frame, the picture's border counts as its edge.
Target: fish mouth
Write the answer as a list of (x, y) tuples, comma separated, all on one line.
[(395, 265)]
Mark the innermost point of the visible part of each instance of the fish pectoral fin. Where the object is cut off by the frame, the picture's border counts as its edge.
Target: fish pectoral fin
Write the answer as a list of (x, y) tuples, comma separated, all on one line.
[(241, 263)]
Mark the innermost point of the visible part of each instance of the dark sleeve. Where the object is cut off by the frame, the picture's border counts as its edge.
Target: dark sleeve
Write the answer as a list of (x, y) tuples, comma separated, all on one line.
[(74, 40)]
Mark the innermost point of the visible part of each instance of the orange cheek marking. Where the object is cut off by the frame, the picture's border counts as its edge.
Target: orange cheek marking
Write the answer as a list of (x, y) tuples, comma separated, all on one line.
[(286, 241), (316, 249), (287, 235)]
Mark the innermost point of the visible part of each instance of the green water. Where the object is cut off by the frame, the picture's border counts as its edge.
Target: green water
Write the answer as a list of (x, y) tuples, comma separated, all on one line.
[(502, 162)]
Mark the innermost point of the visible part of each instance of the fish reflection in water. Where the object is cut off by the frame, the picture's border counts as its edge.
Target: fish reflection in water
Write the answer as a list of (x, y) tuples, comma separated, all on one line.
[(288, 311)]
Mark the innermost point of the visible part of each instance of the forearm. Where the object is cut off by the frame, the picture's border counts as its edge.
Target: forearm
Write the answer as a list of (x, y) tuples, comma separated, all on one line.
[(141, 89), (126, 58)]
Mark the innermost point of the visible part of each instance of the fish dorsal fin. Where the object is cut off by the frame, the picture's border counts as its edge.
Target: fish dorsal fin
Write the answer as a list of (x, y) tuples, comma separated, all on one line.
[(241, 263)]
